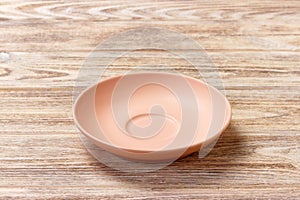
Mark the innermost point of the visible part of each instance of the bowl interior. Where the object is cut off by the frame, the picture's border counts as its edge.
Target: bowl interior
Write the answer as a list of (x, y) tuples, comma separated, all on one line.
[(151, 112)]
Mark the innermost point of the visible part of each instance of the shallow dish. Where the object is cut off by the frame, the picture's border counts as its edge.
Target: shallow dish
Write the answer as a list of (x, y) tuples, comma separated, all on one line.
[(152, 116)]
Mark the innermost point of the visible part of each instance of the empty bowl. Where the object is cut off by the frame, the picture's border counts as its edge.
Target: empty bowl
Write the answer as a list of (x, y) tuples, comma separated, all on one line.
[(151, 116)]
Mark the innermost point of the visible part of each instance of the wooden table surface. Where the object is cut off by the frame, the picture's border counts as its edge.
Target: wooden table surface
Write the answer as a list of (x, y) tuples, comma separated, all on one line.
[(254, 44)]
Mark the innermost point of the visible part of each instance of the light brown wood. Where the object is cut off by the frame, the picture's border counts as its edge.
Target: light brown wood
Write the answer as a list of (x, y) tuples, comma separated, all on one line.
[(256, 46)]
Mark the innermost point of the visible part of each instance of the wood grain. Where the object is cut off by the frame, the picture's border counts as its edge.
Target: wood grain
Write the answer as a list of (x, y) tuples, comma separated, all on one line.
[(255, 45)]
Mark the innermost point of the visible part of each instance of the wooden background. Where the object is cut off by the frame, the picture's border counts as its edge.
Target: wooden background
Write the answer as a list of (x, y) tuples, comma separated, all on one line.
[(256, 46)]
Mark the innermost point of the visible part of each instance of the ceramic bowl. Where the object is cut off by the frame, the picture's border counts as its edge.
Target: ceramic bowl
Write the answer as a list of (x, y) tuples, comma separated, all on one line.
[(151, 116)]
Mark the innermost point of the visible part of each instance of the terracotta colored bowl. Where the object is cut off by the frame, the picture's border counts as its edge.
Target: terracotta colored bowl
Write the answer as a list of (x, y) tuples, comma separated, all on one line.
[(152, 116)]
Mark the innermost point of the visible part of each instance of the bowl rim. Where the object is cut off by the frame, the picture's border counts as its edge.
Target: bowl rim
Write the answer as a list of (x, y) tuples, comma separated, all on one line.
[(208, 139)]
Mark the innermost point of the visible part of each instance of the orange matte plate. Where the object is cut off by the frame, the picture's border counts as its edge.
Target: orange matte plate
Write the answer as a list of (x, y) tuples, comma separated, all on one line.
[(152, 116)]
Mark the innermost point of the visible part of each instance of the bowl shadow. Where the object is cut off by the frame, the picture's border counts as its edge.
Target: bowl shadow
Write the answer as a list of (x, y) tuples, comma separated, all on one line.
[(223, 158)]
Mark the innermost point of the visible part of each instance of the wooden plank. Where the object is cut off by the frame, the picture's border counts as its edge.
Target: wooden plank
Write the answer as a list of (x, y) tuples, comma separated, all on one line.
[(255, 45)]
